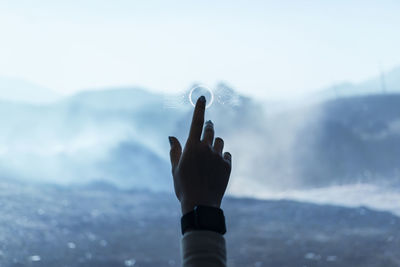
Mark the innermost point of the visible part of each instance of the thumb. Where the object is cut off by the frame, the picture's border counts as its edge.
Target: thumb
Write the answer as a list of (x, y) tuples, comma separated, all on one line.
[(175, 152)]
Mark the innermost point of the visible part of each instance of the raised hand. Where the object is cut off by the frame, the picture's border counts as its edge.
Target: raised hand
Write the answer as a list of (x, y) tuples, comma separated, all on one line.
[(201, 173)]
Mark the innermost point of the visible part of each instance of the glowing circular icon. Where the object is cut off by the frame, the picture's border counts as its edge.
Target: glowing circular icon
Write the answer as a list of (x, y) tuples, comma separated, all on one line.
[(200, 90)]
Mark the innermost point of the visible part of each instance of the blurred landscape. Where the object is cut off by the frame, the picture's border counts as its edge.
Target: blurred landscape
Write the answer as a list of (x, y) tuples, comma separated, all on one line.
[(85, 179), (99, 225)]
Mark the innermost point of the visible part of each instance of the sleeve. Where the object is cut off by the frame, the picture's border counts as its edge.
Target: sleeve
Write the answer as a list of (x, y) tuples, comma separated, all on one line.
[(203, 248)]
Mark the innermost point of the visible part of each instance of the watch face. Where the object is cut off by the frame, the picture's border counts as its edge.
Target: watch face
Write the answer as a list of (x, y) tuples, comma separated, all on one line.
[(210, 218)]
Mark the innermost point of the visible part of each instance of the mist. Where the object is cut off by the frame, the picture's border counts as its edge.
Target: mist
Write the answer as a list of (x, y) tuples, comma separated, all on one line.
[(292, 149)]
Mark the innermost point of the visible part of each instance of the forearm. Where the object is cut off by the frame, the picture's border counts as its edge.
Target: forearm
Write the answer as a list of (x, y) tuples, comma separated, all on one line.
[(202, 248)]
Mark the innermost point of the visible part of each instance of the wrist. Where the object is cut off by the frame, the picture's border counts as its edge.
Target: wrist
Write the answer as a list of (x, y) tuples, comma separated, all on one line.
[(187, 207), (204, 218)]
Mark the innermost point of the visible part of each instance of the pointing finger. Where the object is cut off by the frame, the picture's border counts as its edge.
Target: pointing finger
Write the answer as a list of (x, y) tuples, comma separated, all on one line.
[(198, 120)]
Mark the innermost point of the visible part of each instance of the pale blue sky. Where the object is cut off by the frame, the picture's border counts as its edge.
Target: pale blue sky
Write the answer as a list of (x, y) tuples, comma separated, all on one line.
[(262, 48)]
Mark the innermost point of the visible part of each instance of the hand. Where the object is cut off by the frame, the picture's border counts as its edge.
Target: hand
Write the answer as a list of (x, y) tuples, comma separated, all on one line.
[(200, 173)]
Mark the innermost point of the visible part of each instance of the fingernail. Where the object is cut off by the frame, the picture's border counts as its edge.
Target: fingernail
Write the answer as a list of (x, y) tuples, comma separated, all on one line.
[(202, 99), (171, 140), (209, 124)]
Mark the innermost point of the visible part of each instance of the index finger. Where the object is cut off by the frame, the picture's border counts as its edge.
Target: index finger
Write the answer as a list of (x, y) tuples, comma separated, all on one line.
[(198, 120)]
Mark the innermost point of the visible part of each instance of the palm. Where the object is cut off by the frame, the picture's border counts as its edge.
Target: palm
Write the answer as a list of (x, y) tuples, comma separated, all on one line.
[(200, 173)]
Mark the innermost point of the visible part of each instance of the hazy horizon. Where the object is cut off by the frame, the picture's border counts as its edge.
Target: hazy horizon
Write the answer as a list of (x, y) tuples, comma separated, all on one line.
[(264, 49)]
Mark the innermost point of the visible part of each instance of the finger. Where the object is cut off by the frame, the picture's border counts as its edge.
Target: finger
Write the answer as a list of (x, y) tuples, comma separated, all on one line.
[(198, 120), (208, 134), (228, 158), (175, 152), (218, 145)]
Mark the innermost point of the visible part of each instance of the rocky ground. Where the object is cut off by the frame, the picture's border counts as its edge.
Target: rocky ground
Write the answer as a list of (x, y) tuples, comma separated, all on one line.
[(98, 225)]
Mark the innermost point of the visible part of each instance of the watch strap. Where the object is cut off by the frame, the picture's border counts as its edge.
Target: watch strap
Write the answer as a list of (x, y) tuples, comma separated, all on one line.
[(204, 218)]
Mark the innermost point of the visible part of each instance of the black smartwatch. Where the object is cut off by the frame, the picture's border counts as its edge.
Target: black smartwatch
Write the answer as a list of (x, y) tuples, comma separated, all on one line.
[(204, 218)]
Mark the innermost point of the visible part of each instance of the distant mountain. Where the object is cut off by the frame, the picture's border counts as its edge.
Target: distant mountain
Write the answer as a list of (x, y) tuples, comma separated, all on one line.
[(386, 82), (354, 139), (18, 90), (336, 142), (93, 135), (120, 136)]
